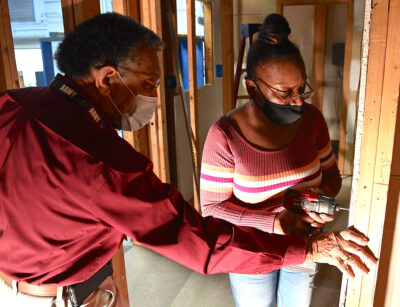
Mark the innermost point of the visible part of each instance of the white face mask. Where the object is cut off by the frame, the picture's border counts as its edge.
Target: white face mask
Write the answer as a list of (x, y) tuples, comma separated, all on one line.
[(141, 112)]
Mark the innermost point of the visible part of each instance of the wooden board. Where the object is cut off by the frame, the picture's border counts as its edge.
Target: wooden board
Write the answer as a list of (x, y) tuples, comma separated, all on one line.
[(208, 37), (345, 85), (129, 8), (151, 18), (319, 54), (193, 96), (8, 67), (228, 102), (170, 93), (378, 146), (77, 11)]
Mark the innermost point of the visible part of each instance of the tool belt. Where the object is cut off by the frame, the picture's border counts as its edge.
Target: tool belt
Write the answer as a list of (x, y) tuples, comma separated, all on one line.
[(76, 292)]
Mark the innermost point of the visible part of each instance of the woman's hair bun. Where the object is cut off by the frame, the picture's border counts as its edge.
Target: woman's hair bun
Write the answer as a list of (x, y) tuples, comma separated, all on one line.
[(274, 30)]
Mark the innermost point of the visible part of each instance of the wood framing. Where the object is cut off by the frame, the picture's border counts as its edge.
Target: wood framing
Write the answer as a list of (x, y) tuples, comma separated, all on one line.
[(378, 146), (129, 8), (151, 18), (170, 91), (319, 54), (77, 11), (193, 96), (208, 41), (228, 102), (8, 67), (317, 59), (345, 85)]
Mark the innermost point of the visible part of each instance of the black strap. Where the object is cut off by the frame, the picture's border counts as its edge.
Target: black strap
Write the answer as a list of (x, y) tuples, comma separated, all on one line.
[(64, 89)]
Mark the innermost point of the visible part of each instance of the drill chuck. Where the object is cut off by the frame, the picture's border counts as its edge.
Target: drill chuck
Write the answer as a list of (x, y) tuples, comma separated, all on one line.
[(310, 202)]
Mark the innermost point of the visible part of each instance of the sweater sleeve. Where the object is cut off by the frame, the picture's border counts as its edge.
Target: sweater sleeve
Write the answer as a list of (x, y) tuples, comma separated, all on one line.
[(216, 186)]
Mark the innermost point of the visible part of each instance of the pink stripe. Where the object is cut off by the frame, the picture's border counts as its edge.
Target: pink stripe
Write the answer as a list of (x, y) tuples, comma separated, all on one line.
[(327, 157), (276, 186), (215, 179)]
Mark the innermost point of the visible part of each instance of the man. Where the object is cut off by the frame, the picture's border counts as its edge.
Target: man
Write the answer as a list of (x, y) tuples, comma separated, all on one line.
[(71, 189)]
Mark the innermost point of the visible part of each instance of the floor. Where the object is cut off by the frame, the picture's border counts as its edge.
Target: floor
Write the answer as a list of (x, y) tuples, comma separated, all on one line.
[(155, 281)]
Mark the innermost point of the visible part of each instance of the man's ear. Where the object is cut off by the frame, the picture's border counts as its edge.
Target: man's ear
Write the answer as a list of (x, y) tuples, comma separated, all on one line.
[(251, 89), (105, 78)]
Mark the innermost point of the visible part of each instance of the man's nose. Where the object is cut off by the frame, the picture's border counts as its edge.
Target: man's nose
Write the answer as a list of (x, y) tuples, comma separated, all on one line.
[(296, 100)]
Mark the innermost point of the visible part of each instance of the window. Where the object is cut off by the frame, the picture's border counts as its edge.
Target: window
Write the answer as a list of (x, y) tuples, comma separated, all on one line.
[(37, 29), (203, 27)]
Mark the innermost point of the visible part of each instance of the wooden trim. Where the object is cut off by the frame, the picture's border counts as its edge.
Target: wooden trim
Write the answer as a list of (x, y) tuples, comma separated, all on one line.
[(228, 102), (77, 11), (8, 66), (379, 122), (193, 96), (345, 85), (319, 54), (119, 274), (208, 41), (129, 8), (151, 18), (170, 93)]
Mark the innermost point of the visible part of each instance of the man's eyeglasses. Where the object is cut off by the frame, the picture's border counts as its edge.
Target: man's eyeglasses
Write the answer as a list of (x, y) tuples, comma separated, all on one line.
[(305, 92)]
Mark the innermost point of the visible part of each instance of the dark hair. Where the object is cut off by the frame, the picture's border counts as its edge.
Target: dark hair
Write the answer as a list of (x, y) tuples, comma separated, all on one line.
[(106, 39), (272, 44)]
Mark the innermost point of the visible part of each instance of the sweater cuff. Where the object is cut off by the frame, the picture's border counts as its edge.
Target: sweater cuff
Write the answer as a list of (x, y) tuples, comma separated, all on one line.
[(294, 251), (269, 222)]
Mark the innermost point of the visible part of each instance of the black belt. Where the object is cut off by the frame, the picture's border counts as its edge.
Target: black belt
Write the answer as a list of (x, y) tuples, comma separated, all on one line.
[(80, 291)]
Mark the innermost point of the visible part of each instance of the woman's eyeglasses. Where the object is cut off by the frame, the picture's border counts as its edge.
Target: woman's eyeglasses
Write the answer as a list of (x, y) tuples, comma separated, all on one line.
[(305, 92)]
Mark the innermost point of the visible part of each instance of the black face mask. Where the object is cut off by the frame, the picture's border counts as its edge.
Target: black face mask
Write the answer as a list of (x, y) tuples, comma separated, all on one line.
[(280, 114)]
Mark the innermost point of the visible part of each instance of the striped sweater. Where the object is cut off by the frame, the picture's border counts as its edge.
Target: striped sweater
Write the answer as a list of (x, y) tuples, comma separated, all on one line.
[(244, 185)]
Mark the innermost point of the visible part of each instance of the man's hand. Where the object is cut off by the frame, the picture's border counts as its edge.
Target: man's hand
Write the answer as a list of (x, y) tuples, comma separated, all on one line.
[(345, 249), (302, 224)]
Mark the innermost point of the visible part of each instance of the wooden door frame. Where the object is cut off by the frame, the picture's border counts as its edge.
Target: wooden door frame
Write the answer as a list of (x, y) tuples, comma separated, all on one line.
[(8, 66), (318, 58)]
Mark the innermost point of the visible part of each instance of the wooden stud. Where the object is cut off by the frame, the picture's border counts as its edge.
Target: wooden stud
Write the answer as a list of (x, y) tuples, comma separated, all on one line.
[(345, 85), (380, 115), (193, 96), (119, 273), (319, 54), (129, 8), (228, 102), (8, 67), (77, 11), (151, 18), (170, 93), (208, 42)]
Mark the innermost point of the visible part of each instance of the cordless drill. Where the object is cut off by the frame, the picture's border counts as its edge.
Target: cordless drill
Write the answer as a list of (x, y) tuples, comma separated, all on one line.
[(310, 202)]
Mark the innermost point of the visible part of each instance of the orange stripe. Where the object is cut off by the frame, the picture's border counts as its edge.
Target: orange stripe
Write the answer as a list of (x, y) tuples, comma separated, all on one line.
[(325, 149)]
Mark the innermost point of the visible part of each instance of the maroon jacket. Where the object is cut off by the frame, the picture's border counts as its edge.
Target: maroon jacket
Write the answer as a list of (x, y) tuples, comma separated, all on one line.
[(70, 190)]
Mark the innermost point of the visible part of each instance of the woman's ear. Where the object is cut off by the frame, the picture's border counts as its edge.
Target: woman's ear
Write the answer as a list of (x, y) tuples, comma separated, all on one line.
[(251, 89), (105, 78)]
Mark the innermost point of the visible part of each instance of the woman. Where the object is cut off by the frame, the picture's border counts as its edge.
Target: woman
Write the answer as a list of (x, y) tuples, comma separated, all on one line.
[(253, 154)]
